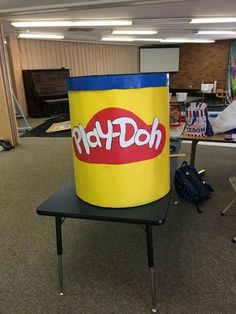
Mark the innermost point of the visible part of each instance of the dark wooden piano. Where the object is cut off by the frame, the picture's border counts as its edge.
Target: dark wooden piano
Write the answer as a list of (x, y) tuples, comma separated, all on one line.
[(45, 91)]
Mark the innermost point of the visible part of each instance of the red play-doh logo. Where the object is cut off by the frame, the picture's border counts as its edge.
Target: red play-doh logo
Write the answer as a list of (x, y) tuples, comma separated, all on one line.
[(118, 136)]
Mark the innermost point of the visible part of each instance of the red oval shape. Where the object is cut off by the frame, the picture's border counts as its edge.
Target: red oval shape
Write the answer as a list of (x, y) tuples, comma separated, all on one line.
[(118, 136)]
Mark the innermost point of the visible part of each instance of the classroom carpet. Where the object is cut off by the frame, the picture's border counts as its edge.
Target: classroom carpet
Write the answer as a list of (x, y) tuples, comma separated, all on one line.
[(105, 263)]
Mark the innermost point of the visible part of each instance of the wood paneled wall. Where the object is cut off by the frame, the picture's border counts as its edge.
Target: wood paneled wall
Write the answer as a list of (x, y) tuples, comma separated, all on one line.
[(80, 58), (201, 62), (198, 62)]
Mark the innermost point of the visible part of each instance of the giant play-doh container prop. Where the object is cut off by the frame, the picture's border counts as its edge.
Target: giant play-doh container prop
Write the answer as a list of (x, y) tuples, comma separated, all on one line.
[(120, 138)]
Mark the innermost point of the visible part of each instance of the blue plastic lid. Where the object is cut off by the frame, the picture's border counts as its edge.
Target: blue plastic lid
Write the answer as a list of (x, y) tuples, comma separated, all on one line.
[(117, 81)]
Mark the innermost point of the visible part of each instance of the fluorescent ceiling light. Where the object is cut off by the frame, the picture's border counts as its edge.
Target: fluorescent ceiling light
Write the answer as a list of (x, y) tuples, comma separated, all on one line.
[(213, 20), (145, 2), (117, 39), (129, 39), (134, 32), (42, 24), (40, 36), (102, 23), (182, 40), (216, 32), (147, 39), (72, 23)]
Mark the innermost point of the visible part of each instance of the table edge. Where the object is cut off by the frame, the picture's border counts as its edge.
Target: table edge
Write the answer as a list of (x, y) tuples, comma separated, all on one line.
[(101, 218)]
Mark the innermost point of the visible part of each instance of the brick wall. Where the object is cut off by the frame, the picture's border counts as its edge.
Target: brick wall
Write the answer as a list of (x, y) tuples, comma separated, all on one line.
[(201, 62)]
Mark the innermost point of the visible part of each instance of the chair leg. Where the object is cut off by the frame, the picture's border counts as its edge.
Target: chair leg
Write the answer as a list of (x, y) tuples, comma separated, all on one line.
[(227, 207)]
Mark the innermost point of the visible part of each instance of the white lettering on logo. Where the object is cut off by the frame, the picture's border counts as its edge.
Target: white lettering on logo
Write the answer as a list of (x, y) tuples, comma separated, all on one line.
[(123, 123), (137, 136)]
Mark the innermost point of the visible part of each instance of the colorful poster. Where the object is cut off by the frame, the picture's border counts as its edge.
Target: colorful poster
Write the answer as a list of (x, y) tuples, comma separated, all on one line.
[(231, 77)]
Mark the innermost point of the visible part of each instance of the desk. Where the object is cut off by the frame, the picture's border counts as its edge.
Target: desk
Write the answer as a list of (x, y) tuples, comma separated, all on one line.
[(225, 93), (65, 204), (195, 139), (173, 99)]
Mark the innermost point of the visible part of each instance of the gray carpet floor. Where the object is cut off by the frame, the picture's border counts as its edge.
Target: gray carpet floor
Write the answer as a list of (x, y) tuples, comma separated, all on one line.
[(105, 264)]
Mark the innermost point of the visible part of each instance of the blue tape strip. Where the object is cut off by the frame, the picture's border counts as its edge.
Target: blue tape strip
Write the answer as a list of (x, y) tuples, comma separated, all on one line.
[(117, 81)]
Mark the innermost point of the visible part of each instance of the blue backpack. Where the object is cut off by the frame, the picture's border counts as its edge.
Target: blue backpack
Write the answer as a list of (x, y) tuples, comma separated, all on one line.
[(190, 186)]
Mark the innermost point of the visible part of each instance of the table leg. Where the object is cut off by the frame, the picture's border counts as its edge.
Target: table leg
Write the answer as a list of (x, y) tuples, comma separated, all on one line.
[(59, 253), (226, 208), (151, 267), (193, 152)]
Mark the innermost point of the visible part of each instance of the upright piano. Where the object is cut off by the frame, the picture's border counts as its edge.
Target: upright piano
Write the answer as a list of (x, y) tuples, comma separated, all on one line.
[(44, 89)]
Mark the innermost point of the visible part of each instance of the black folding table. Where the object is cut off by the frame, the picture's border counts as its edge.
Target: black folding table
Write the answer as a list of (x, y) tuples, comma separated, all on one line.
[(66, 204)]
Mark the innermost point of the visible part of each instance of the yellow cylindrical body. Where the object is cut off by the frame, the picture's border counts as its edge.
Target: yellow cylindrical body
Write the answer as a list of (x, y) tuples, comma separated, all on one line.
[(120, 144)]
